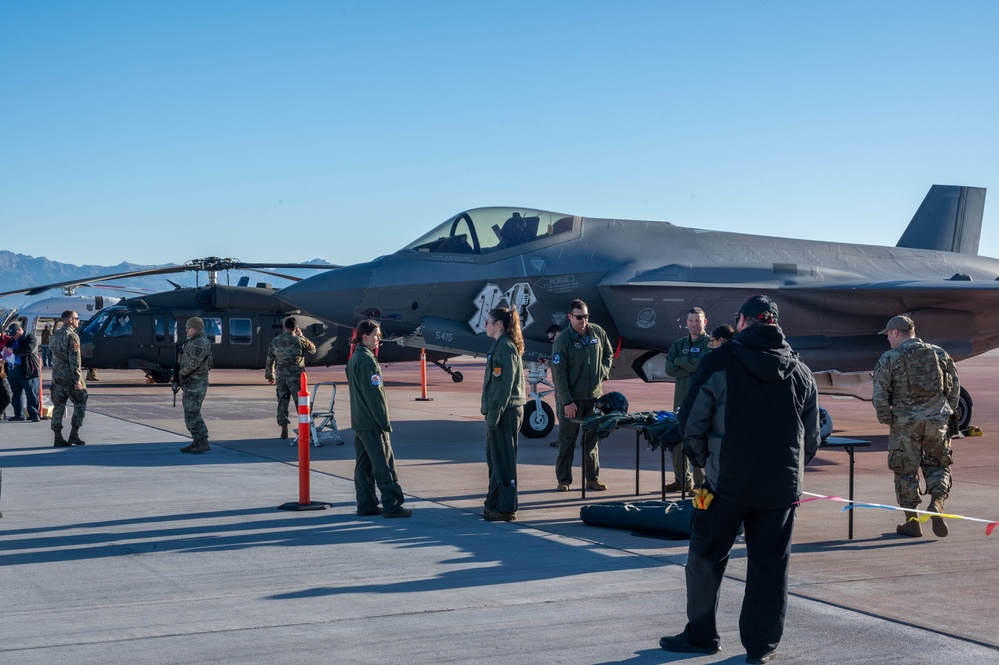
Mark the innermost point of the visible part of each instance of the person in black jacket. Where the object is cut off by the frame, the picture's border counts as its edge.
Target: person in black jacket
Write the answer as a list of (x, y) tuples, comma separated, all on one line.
[(23, 370), (751, 421)]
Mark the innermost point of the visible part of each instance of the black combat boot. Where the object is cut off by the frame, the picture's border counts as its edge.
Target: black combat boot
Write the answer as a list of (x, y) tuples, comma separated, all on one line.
[(939, 526), (201, 445), (188, 448), (59, 441), (284, 431), (74, 437)]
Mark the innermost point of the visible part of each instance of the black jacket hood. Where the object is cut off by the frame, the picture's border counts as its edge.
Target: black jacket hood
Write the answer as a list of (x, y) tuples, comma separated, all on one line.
[(763, 350)]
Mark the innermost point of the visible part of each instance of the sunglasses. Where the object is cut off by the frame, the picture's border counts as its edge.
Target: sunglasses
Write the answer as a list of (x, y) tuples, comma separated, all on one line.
[(580, 317)]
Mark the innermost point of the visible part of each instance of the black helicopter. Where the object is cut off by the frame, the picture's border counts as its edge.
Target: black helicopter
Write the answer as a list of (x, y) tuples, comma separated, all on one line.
[(141, 332)]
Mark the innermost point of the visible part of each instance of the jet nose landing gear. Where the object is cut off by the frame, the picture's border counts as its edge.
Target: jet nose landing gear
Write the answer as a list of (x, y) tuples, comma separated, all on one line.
[(456, 376), (539, 417)]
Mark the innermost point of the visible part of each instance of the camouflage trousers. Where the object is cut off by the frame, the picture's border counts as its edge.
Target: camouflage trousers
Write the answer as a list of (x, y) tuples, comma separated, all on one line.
[(61, 392), (288, 387), (194, 395), (922, 445)]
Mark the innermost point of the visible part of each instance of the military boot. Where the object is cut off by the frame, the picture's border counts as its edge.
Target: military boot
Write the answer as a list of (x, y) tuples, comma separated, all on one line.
[(911, 526), (188, 448), (201, 445), (284, 431), (939, 526), (59, 441), (74, 437)]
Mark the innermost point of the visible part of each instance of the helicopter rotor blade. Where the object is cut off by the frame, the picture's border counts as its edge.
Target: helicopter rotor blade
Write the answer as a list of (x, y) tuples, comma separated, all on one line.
[(35, 290), (208, 264)]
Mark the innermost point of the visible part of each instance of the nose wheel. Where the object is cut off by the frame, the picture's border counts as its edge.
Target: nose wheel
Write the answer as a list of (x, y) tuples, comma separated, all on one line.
[(964, 407), (456, 376), (537, 423)]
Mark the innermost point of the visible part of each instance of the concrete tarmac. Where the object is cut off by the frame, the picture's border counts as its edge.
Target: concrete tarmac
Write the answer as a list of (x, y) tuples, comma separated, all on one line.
[(127, 551)]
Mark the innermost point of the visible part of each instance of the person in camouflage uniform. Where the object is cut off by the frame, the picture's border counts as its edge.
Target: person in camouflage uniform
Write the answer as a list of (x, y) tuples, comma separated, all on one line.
[(284, 364), (916, 390), (67, 380), (195, 363)]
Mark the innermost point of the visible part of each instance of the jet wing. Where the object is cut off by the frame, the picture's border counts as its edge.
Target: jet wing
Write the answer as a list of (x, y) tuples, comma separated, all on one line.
[(838, 320)]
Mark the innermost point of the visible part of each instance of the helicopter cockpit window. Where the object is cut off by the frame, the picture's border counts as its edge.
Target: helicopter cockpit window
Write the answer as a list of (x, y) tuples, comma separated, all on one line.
[(213, 329), (486, 230), (120, 325), (240, 331), (94, 325)]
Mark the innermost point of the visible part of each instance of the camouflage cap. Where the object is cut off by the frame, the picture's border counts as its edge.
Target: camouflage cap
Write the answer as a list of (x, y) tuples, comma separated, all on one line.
[(898, 323), (196, 323), (760, 308)]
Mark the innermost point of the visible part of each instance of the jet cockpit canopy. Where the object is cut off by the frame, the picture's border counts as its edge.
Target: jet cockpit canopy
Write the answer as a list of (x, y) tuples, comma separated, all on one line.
[(484, 230)]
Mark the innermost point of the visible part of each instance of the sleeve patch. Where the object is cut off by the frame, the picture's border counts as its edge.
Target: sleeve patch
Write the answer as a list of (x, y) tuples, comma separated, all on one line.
[(376, 380), (497, 372), (557, 358)]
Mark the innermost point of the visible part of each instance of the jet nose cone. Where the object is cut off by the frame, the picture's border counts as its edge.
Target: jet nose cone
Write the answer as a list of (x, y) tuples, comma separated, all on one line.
[(336, 296)]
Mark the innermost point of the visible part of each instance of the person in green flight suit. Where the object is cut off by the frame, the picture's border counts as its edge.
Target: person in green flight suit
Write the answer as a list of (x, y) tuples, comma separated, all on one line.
[(374, 460), (681, 362), (503, 399), (581, 362)]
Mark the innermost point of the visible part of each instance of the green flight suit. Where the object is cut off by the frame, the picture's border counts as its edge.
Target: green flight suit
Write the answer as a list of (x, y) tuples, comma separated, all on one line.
[(681, 362), (369, 418), (503, 399), (580, 364)]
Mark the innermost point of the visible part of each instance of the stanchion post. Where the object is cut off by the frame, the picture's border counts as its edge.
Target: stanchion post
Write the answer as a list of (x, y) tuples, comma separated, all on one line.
[(304, 424), (303, 443), (423, 377)]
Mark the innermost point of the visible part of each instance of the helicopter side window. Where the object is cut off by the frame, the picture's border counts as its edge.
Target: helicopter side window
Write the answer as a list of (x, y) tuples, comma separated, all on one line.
[(213, 330), (119, 326), (165, 329), (240, 331)]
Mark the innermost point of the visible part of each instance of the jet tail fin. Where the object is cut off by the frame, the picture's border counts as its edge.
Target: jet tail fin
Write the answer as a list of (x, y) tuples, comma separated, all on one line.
[(949, 220)]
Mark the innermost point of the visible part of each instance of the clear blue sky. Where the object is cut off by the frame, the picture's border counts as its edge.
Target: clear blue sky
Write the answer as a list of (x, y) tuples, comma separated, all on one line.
[(157, 132)]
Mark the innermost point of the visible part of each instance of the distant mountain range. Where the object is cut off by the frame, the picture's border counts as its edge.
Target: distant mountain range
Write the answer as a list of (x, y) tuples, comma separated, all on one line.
[(22, 271)]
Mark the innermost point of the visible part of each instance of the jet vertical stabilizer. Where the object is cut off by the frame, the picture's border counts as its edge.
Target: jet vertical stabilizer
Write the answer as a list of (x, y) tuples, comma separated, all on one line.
[(949, 220)]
